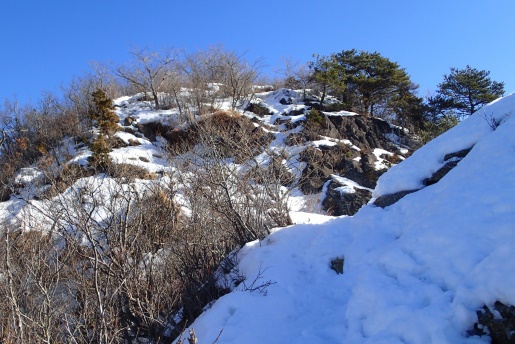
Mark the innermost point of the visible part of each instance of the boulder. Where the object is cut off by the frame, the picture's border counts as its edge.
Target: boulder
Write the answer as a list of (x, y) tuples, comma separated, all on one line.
[(338, 202)]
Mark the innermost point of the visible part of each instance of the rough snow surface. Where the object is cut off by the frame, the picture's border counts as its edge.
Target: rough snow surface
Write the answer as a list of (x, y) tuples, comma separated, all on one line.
[(414, 272)]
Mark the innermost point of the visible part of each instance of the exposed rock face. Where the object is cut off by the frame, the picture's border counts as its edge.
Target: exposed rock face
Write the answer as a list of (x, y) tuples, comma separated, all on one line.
[(340, 160), (338, 203), (387, 200), (153, 129), (365, 132), (451, 160), (354, 161), (258, 109)]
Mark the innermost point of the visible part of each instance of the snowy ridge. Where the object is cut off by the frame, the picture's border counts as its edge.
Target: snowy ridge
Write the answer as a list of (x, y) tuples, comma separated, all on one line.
[(415, 272)]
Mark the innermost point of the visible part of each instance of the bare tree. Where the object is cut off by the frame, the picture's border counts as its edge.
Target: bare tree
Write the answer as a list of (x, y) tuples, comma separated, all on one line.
[(215, 74), (150, 71), (298, 76), (238, 77)]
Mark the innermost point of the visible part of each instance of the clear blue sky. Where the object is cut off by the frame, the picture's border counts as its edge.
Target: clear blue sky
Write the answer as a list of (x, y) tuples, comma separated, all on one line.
[(46, 43)]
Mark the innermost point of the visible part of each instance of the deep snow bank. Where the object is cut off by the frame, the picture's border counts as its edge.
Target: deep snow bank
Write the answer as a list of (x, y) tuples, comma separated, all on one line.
[(415, 272)]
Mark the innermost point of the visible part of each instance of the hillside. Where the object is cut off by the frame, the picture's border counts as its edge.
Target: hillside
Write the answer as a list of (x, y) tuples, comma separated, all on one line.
[(416, 271), (140, 241), (226, 215)]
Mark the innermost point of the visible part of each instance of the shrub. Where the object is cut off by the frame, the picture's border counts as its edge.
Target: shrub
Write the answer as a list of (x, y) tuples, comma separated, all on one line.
[(314, 117), (100, 153), (129, 172)]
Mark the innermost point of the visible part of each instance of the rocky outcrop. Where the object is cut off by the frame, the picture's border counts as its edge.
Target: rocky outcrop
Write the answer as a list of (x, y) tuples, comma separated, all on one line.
[(450, 161), (387, 200), (341, 160), (365, 132), (338, 202)]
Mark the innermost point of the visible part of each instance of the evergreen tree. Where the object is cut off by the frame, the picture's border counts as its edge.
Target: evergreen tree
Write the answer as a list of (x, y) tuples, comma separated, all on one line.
[(374, 82), (467, 90), (107, 122), (104, 115), (327, 75)]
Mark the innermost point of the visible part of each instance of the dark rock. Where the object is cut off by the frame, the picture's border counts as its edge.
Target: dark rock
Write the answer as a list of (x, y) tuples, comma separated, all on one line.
[(284, 101), (128, 121), (500, 325), (129, 130), (296, 112), (337, 265), (452, 160), (438, 175), (387, 200), (258, 109), (323, 161), (365, 132), (337, 203), (117, 142), (153, 129), (460, 154)]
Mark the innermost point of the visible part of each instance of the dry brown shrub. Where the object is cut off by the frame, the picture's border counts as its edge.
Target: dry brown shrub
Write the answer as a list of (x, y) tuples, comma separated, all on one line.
[(69, 174), (130, 172)]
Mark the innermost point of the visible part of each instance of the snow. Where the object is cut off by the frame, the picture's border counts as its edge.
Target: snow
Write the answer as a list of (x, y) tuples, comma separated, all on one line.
[(349, 186), (379, 164), (340, 113), (329, 142), (424, 162), (414, 272)]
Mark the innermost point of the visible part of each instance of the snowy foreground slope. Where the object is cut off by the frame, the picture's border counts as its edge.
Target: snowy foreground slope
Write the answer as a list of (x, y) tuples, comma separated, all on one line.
[(414, 272)]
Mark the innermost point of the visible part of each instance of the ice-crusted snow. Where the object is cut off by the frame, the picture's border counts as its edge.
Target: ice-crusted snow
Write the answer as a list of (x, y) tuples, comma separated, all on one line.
[(414, 272)]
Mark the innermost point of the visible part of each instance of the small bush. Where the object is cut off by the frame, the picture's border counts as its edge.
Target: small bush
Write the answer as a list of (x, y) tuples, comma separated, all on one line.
[(69, 174), (129, 172), (224, 117), (314, 117), (335, 107), (100, 158)]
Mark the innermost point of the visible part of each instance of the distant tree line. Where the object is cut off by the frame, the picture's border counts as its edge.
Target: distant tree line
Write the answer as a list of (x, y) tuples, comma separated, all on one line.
[(370, 84)]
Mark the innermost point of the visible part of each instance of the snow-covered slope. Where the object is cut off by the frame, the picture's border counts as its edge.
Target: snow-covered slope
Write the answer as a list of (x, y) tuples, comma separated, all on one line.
[(414, 272)]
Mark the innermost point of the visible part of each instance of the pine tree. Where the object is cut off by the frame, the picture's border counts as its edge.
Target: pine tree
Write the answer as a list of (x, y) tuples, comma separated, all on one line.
[(100, 148), (374, 82), (469, 89), (327, 75), (104, 115), (107, 122)]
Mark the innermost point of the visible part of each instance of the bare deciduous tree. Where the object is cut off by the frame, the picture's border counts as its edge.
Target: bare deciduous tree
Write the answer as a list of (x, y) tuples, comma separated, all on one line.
[(298, 76), (150, 71)]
